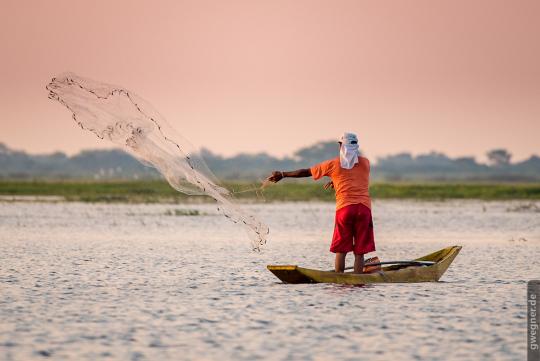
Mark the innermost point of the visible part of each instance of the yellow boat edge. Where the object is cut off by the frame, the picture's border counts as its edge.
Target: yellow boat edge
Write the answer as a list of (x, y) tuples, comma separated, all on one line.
[(390, 274)]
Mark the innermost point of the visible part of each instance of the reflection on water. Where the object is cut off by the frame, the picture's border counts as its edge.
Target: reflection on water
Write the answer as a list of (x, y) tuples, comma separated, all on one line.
[(149, 282)]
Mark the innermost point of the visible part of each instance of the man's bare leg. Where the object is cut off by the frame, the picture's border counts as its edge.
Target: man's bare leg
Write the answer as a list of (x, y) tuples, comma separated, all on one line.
[(358, 263), (340, 262)]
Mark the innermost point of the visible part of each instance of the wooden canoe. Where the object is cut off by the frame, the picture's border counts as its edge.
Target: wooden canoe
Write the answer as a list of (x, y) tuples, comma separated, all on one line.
[(389, 274)]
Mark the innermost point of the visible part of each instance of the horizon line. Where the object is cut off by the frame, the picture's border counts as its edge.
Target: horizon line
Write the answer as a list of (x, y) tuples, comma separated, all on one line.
[(412, 154)]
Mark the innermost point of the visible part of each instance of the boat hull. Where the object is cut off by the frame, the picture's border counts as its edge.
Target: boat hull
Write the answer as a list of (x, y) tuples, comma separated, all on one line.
[(391, 274)]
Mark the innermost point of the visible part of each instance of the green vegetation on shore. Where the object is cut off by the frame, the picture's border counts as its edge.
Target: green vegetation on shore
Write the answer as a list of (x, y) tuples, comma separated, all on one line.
[(160, 191)]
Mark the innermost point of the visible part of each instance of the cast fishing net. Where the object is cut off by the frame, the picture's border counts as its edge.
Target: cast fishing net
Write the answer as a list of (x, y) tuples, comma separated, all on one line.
[(120, 116)]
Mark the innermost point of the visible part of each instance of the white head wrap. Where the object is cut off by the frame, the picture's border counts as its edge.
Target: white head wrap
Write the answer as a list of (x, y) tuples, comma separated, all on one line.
[(348, 153)]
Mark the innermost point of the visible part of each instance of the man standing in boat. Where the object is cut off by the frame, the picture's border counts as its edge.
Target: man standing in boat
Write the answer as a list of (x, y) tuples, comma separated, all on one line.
[(349, 174)]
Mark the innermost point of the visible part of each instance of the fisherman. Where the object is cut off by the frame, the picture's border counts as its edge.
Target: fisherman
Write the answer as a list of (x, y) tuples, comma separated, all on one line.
[(349, 174)]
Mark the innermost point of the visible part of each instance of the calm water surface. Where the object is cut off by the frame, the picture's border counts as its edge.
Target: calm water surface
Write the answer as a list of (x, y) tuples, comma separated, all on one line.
[(133, 282)]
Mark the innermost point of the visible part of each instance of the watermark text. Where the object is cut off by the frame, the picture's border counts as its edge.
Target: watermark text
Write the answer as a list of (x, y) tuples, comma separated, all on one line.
[(533, 302)]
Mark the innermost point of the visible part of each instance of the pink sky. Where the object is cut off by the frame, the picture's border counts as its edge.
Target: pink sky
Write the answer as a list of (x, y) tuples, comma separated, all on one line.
[(460, 77)]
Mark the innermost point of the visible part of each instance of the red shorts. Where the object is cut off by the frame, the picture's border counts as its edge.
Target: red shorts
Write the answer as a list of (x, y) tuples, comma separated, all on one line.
[(353, 230)]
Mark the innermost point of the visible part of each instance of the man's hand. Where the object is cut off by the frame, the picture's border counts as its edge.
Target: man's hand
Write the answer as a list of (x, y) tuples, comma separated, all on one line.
[(275, 177), (299, 173), (329, 185)]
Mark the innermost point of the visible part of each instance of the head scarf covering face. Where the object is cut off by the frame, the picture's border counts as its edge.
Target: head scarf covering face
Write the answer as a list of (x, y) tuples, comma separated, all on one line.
[(348, 153)]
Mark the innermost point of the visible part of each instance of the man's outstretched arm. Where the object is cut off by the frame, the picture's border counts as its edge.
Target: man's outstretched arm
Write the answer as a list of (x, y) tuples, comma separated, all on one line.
[(299, 173)]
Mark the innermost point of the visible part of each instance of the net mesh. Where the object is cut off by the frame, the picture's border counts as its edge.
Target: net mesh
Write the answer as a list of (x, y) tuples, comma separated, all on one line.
[(122, 117)]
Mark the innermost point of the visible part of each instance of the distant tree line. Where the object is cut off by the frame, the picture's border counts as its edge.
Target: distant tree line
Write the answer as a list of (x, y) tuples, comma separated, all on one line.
[(116, 164)]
